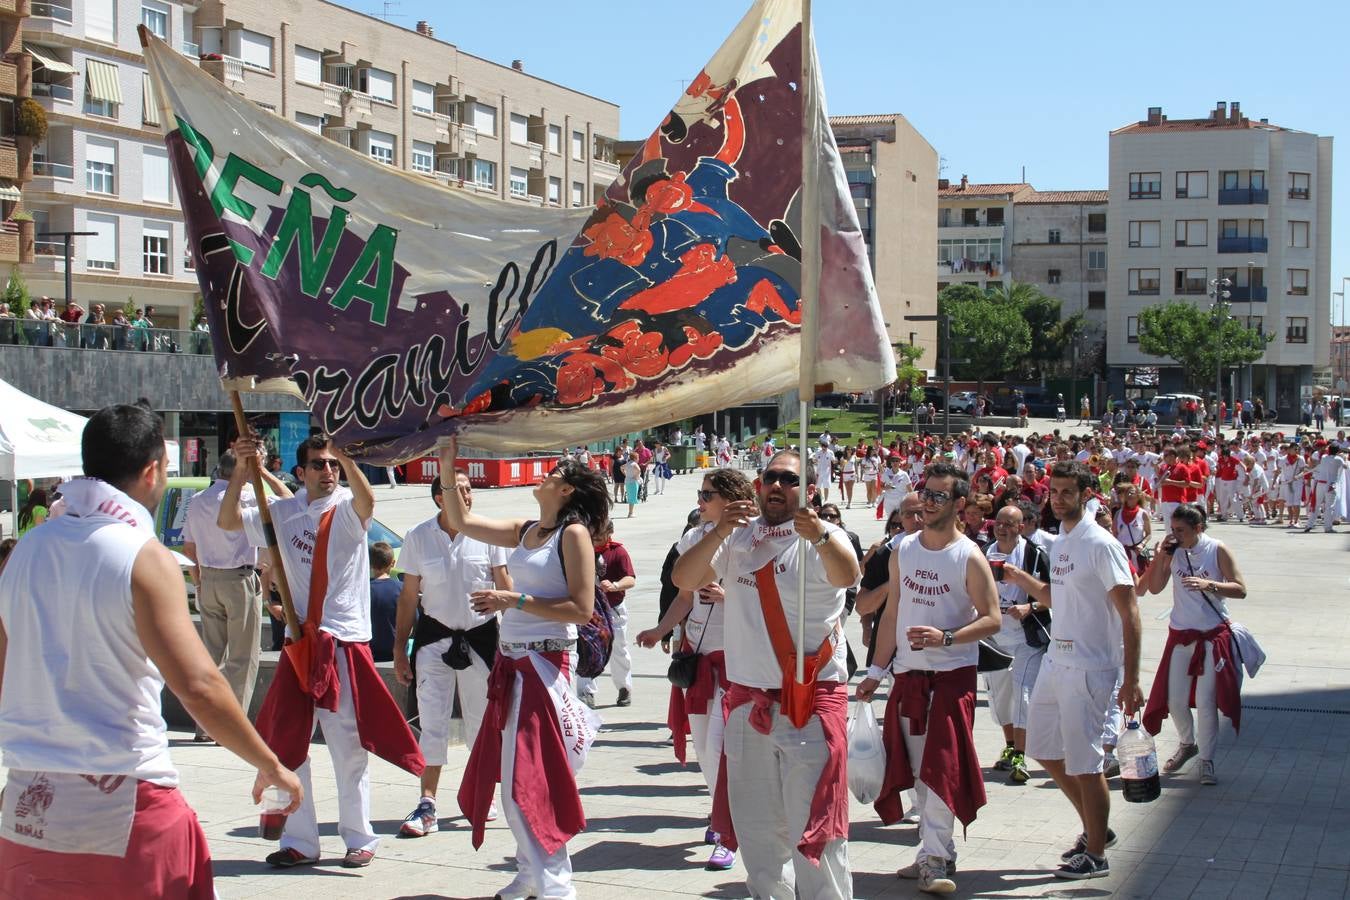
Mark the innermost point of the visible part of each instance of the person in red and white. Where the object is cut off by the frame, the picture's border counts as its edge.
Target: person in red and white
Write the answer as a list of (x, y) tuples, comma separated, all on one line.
[(895, 485), (786, 748), (1226, 482), (1257, 488), (325, 523), (1197, 669), (91, 802), (695, 712), (945, 602), (531, 704), (1326, 480), (1290, 479), (454, 646), (1095, 632)]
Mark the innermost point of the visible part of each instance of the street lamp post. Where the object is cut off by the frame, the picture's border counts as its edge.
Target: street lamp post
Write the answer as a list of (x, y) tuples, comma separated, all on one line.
[(945, 321), (1219, 293)]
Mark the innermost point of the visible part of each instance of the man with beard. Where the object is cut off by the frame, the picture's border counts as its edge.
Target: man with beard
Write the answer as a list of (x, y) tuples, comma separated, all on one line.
[(946, 602), (786, 747)]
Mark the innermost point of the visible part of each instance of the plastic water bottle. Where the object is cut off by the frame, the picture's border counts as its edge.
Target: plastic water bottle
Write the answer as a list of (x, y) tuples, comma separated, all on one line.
[(1138, 765)]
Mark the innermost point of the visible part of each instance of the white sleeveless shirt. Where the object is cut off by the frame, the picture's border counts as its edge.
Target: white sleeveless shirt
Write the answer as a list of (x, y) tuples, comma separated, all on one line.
[(1189, 609), (81, 695), (539, 573), (933, 592)]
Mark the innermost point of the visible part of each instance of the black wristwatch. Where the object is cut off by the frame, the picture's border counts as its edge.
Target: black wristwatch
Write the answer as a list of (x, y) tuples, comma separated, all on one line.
[(947, 638)]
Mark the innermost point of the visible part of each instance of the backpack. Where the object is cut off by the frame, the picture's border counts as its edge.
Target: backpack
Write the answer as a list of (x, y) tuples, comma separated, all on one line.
[(595, 639)]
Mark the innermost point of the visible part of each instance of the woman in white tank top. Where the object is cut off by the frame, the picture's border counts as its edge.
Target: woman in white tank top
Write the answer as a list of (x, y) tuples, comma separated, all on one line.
[(532, 675)]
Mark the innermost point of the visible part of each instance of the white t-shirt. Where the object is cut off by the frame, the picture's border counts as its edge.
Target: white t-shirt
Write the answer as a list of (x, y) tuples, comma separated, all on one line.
[(824, 465), (895, 483), (1189, 609), (449, 570), (1085, 564), (539, 573), (1329, 469), (216, 547), (750, 655), (1009, 594), (707, 621), (1020, 453), (933, 592), (346, 607)]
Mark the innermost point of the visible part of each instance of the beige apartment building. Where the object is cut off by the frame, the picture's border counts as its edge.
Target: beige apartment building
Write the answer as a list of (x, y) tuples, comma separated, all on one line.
[(1060, 247), (975, 231), (1223, 196)]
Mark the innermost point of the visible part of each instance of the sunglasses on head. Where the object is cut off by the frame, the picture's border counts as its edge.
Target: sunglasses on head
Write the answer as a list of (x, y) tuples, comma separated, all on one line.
[(318, 465), (707, 496), (780, 476)]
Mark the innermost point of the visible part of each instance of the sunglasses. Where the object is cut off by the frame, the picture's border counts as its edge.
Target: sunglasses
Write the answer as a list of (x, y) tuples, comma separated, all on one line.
[(937, 498), (830, 517), (779, 476), (319, 465), (707, 496)]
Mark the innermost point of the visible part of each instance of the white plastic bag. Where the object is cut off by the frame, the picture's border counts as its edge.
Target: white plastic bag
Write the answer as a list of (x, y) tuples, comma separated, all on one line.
[(866, 753)]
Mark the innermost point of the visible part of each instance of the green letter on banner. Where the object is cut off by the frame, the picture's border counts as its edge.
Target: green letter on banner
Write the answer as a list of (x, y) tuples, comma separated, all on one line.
[(379, 255), (298, 226)]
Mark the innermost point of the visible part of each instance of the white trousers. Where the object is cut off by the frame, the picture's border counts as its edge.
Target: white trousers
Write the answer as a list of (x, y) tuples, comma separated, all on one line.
[(770, 780), (351, 769), (620, 660), (1010, 689), (548, 875), (1324, 505), (436, 687), (706, 733), (1226, 492), (891, 501), (1201, 727), (1165, 509), (937, 823)]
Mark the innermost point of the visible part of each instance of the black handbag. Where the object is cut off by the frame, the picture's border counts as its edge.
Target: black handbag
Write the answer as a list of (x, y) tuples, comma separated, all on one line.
[(1036, 628), (992, 659), (683, 670)]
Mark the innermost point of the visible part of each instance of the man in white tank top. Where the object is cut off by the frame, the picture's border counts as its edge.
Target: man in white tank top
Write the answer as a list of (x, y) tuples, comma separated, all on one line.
[(92, 803), (945, 603), (1095, 632)]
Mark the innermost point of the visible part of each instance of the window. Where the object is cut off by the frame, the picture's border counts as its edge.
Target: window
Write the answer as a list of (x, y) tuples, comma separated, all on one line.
[(1053, 276), (1192, 185), (1145, 185), (155, 179), (520, 129), (1298, 282), (1298, 185), (381, 147), (309, 122), (554, 139), (155, 17), (381, 85), (1096, 259), (970, 217), (155, 248), (1190, 281), (1298, 234), (1132, 330), (555, 190), (1256, 322), (1096, 223), (1257, 177), (1296, 330), (1096, 299), (423, 97), (944, 217), (100, 20), (485, 173), (1054, 235), (255, 50), (423, 155), (100, 248), (149, 105), (1144, 281), (520, 182), (578, 145), (485, 119), (1192, 232), (102, 89), (1145, 234), (1229, 180), (993, 216), (308, 65), (578, 194), (100, 166)]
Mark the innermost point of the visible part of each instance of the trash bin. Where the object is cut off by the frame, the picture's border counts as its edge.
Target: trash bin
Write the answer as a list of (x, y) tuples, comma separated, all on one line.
[(682, 459)]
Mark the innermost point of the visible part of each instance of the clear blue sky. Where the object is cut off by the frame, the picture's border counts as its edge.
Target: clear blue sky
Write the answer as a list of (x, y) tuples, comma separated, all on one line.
[(994, 86)]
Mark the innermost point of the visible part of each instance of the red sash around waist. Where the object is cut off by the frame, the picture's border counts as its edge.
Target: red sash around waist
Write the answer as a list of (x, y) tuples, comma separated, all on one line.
[(693, 701), (1227, 674)]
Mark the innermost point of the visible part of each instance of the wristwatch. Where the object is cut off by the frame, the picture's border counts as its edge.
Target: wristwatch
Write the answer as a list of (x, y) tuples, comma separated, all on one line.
[(1032, 605), (947, 638), (822, 540)]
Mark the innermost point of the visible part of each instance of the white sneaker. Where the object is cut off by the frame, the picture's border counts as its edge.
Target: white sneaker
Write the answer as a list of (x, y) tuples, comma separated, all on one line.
[(492, 813), (517, 890), (933, 876), (1207, 775), (421, 821)]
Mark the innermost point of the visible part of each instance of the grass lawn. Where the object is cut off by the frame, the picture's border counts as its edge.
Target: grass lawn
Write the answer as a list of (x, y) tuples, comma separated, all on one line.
[(839, 422)]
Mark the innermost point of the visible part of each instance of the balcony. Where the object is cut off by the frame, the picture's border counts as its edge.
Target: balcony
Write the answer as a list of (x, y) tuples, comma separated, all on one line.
[(1244, 197), (605, 170), (190, 49), (9, 159), (9, 79), (536, 155), (53, 9), (46, 169), (352, 106), (44, 90), (1243, 244), (227, 69), (1247, 294)]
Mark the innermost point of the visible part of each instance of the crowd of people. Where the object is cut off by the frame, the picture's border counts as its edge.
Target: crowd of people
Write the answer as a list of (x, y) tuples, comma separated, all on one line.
[(73, 326)]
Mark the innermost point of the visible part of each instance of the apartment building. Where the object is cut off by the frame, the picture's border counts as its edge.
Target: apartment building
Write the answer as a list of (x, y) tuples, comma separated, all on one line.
[(397, 95), (975, 231), (1060, 247), (16, 150), (1223, 196), (892, 172)]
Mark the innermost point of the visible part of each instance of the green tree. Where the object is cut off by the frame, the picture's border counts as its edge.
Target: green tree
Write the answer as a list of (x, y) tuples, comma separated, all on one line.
[(16, 293), (987, 329), (1196, 339), (1051, 335)]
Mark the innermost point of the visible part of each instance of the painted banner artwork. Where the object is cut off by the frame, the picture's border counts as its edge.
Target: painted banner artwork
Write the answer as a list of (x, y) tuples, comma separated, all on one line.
[(404, 311)]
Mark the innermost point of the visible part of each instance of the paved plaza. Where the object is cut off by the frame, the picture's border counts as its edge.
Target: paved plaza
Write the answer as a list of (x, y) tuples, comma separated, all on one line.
[(1277, 825)]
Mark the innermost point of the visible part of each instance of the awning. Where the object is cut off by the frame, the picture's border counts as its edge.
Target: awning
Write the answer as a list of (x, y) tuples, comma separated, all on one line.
[(8, 192), (103, 83), (52, 65), (150, 116)]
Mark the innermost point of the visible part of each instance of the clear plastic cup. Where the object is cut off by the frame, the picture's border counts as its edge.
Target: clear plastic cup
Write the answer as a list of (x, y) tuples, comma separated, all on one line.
[(272, 818)]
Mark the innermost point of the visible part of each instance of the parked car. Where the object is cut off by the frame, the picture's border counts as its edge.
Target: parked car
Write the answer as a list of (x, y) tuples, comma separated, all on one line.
[(962, 402), (1168, 406), (1041, 404)]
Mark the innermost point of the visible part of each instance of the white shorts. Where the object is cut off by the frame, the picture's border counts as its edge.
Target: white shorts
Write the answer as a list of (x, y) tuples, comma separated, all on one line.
[(1291, 494), (1068, 710)]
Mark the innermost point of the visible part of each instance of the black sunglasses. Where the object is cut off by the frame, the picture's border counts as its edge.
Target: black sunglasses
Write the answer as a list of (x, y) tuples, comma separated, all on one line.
[(935, 497), (707, 496), (318, 465), (780, 476), (830, 516)]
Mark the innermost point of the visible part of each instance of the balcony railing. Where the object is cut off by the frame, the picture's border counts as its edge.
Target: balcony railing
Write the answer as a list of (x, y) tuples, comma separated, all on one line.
[(62, 335), (1248, 294), (55, 91), (962, 224), (1243, 244), (190, 49), (43, 168), (53, 9), (1244, 197)]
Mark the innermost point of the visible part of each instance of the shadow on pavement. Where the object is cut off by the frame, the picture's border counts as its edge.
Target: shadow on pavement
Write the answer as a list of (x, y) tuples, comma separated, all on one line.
[(654, 789), (640, 825)]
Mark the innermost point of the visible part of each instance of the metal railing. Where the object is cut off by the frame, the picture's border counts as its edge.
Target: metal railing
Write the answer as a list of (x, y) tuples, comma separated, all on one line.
[(1244, 197), (190, 49), (85, 336), (53, 9), (53, 90), (1243, 244), (42, 167)]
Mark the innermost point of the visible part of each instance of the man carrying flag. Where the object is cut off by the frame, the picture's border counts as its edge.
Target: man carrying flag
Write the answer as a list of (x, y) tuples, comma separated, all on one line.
[(328, 672), (786, 757)]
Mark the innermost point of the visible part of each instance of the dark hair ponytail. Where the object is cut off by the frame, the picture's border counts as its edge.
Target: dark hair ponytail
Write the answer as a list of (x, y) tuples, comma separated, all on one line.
[(589, 502)]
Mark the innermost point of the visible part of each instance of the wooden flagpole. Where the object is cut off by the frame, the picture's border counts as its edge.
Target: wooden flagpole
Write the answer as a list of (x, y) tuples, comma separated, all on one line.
[(260, 491), (810, 244)]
